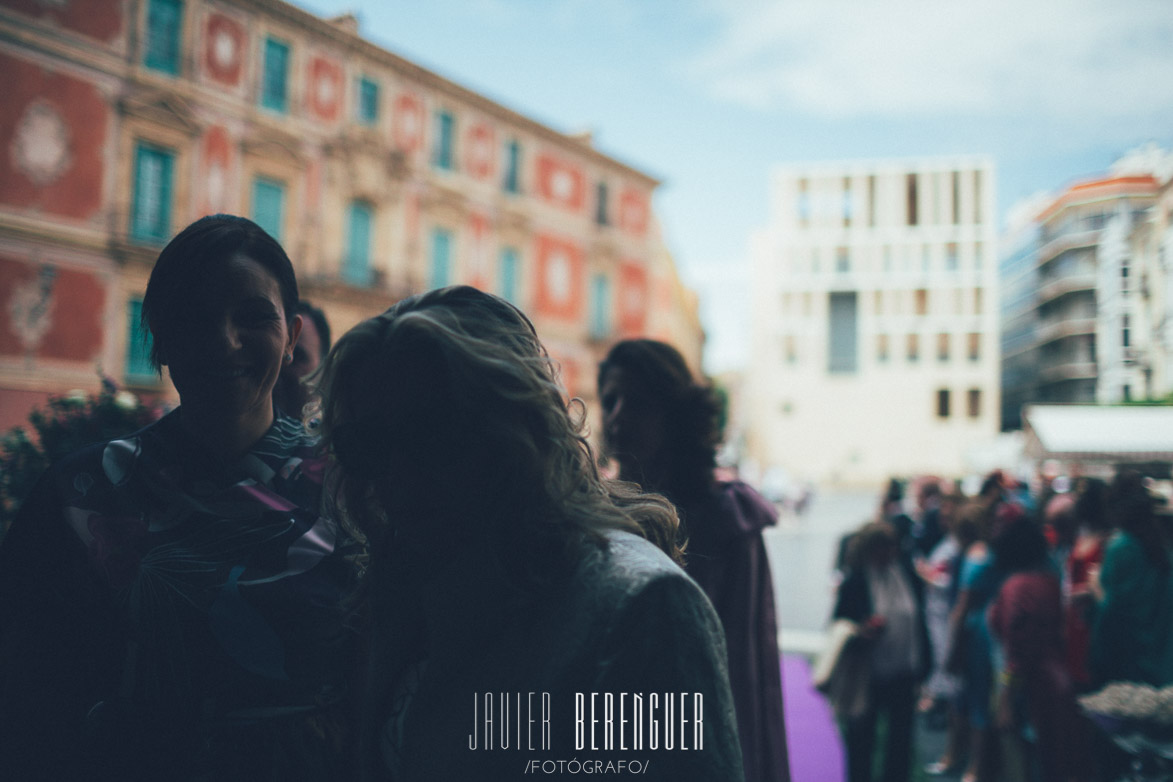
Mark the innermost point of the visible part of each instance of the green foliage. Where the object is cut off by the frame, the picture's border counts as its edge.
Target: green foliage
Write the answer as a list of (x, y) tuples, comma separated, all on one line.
[(70, 423), (1163, 400)]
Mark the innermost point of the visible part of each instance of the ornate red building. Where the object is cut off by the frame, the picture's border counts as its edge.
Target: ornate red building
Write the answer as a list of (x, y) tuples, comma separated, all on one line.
[(123, 120)]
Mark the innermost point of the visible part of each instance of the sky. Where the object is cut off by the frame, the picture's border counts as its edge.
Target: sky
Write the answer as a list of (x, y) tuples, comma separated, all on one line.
[(709, 95)]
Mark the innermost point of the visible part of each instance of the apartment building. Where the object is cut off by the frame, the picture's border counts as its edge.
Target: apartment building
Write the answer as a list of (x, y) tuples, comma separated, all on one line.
[(1086, 325), (1151, 244), (875, 319), (1019, 285), (124, 120)]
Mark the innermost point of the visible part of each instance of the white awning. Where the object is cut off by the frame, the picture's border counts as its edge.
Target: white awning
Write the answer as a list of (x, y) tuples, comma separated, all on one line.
[(1128, 432)]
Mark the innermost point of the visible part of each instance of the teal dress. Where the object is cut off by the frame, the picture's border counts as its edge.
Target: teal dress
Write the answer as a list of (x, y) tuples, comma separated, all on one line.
[(1132, 638), (982, 579)]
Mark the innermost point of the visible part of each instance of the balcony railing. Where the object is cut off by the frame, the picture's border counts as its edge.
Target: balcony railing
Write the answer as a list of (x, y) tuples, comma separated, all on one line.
[(1075, 283), (1064, 369), (1049, 331), (1067, 241)]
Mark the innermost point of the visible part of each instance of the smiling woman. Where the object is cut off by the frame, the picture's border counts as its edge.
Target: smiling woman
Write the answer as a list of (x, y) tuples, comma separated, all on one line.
[(173, 603), (221, 307)]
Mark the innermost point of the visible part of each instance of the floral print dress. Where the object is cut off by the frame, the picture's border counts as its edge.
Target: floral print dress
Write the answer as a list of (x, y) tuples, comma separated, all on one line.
[(164, 614)]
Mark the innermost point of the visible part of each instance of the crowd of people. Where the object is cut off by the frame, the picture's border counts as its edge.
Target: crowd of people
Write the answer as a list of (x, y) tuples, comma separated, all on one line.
[(990, 615), (330, 573), (332, 559)]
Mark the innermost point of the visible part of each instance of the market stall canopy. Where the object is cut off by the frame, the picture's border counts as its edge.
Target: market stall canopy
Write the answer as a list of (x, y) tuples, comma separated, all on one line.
[(1099, 433)]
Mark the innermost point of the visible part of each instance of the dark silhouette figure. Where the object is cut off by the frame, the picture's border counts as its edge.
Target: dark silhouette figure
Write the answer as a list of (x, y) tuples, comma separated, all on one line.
[(501, 562), (661, 427), (172, 603)]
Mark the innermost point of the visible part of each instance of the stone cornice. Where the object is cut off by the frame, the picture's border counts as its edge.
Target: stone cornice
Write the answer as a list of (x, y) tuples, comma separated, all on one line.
[(264, 140), (52, 232), (162, 106)]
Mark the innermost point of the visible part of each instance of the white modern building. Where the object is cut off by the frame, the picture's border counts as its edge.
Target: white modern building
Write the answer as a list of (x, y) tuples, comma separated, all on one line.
[(1153, 245), (875, 317)]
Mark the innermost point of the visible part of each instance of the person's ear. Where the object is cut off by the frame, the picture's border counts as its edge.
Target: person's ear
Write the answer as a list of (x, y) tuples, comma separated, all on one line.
[(295, 324)]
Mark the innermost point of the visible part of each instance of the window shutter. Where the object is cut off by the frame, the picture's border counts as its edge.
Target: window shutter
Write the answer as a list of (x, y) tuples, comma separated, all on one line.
[(151, 204), (357, 270), (600, 306), (509, 275), (164, 23), (274, 82), (441, 258), (138, 344), (269, 206)]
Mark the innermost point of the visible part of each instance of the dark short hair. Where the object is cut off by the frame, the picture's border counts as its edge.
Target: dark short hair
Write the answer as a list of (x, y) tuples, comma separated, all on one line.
[(1091, 504), (318, 318), (1018, 541), (1132, 509), (195, 253), (867, 540)]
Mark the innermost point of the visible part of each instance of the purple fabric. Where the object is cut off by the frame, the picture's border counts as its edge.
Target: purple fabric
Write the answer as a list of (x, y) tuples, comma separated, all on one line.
[(727, 557), (816, 750)]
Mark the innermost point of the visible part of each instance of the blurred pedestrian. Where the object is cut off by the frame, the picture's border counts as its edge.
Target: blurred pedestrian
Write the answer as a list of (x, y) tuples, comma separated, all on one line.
[(881, 594), (927, 529), (1060, 528), (939, 573), (1036, 709), (894, 511), (964, 527), (1132, 639), (1083, 569), (661, 426), (970, 648)]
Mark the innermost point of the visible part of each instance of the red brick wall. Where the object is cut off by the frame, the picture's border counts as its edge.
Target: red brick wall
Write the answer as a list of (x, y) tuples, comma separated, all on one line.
[(60, 121), (73, 302), (101, 20), (561, 183), (560, 285)]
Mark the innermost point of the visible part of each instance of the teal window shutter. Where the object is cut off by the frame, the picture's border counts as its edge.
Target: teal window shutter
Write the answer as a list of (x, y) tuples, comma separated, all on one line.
[(441, 258), (600, 306), (357, 269), (150, 219), (368, 101), (164, 28), (445, 127), (138, 344), (601, 203), (512, 181), (269, 206), (509, 275), (275, 76)]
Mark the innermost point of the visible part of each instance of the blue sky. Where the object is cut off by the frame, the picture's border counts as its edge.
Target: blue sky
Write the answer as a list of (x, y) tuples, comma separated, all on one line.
[(709, 95)]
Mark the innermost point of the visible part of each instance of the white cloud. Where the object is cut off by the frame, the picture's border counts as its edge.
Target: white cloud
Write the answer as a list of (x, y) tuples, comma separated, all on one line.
[(860, 58)]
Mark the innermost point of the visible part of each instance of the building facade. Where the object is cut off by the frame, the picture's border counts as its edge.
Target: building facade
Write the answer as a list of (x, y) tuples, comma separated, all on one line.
[(124, 120), (1151, 244), (1086, 327), (875, 320), (1018, 277)]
